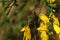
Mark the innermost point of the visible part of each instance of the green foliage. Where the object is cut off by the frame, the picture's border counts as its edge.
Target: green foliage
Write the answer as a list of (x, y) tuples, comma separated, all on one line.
[(14, 15)]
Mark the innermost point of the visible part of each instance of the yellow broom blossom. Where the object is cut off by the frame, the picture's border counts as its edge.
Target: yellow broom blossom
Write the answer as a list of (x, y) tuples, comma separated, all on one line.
[(42, 27), (55, 19), (44, 18), (27, 34), (44, 36), (51, 1), (56, 24), (56, 28), (59, 36)]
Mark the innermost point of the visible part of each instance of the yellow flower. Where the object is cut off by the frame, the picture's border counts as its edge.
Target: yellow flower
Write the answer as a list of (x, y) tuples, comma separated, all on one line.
[(23, 29), (55, 19), (27, 34), (56, 28), (44, 36), (42, 27), (59, 36), (51, 1), (44, 18)]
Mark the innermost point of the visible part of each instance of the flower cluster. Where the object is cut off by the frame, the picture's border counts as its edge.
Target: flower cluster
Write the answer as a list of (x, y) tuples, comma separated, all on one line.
[(44, 28)]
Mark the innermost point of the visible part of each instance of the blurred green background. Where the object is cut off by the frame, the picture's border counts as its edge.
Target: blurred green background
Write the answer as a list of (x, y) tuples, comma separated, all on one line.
[(16, 13)]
